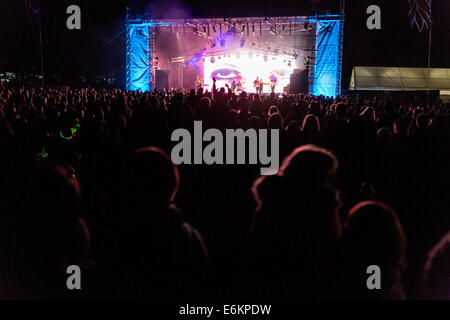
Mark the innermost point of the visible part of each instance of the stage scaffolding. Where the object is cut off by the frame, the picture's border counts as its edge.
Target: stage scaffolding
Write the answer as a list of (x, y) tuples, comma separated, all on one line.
[(325, 65)]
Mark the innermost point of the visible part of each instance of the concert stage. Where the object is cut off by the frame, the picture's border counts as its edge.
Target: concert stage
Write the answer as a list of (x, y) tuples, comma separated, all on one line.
[(292, 54)]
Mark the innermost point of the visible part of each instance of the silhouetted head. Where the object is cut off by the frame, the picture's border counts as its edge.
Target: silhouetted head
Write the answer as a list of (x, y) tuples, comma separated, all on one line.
[(253, 122), (204, 105), (306, 183), (421, 121), (232, 117), (275, 121), (368, 114), (315, 108), (310, 165), (293, 127), (401, 126), (436, 278), (373, 235), (311, 124), (151, 180), (383, 134), (177, 99), (243, 103), (299, 205), (341, 110), (366, 191), (120, 105), (273, 110), (43, 231)]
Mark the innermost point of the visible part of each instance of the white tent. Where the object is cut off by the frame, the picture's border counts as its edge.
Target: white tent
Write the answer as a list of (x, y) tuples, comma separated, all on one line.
[(404, 79)]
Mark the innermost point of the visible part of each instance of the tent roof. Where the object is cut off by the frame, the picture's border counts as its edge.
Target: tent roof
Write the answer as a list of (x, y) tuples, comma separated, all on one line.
[(394, 78)]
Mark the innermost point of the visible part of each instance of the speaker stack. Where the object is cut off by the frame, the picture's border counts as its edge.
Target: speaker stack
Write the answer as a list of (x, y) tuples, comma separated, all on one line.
[(299, 81), (162, 79)]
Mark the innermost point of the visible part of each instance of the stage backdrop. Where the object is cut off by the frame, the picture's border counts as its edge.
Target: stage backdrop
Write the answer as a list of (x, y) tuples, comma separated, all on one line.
[(245, 66)]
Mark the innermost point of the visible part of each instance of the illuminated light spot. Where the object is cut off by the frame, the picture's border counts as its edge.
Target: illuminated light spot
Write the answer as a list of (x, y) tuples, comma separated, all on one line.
[(64, 137), (72, 130), (42, 154)]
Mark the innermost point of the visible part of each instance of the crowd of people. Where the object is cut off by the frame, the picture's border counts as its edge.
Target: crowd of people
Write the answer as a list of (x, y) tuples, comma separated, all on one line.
[(87, 180)]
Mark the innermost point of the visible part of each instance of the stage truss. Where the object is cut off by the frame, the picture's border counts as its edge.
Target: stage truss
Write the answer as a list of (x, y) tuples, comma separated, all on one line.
[(325, 59)]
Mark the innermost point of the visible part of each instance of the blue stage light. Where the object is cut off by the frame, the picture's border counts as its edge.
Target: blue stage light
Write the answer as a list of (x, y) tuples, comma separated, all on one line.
[(326, 60), (138, 64)]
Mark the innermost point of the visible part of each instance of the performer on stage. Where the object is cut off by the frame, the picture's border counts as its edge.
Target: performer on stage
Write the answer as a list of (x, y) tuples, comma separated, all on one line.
[(198, 83), (273, 82), (256, 85), (261, 86), (233, 86)]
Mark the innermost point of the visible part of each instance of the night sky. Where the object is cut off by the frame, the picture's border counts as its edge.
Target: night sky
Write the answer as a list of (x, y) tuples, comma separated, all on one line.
[(98, 49)]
